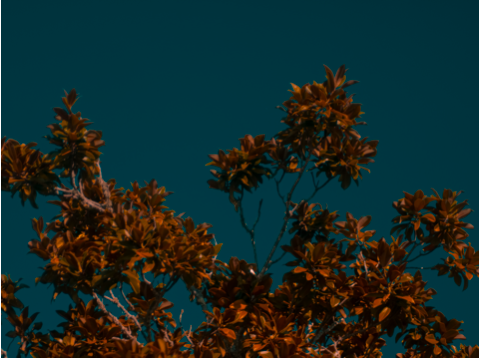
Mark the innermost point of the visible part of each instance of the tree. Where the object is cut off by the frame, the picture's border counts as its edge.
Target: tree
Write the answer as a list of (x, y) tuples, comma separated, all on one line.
[(109, 238)]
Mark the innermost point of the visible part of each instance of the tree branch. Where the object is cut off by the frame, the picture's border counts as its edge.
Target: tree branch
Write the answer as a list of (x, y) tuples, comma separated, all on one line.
[(128, 314), (245, 226), (80, 196), (126, 331), (130, 306), (286, 219), (77, 193), (316, 188), (199, 298), (278, 189), (105, 189)]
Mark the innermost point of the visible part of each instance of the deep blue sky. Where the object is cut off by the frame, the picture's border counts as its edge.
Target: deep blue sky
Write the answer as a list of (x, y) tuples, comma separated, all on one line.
[(170, 82)]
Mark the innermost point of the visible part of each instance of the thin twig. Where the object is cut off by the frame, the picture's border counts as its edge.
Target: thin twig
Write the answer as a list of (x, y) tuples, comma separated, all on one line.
[(199, 297), (318, 188), (245, 226), (153, 306), (130, 306), (80, 196), (361, 257), (128, 314), (288, 215), (279, 259), (278, 189), (126, 331), (105, 189)]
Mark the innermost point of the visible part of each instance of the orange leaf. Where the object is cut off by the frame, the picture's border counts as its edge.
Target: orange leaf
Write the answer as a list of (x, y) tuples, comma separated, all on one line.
[(334, 301), (407, 298), (228, 333), (430, 338), (384, 313), (266, 354)]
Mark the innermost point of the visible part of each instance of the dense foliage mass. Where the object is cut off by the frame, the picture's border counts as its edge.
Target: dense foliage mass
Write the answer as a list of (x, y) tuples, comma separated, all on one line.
[(106, 238)]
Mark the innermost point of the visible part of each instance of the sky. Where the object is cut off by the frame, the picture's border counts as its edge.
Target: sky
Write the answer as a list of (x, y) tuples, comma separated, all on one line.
[(170, 82)]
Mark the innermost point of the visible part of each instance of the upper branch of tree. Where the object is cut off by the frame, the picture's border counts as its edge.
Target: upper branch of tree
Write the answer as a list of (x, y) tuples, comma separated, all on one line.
[(245, 225), (288, 215)]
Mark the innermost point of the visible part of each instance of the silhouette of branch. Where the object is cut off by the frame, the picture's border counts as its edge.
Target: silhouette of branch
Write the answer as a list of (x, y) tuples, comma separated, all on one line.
[(316, 188), (421, 255), (278, 259), (250, 231), (278, 189), (289, 214), (422, 268)]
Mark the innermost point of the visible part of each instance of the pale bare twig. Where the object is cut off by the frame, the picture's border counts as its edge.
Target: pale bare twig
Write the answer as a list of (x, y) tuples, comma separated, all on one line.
[(105, 188), (128, 314), (76, 194), (126, 331), (130, 306)]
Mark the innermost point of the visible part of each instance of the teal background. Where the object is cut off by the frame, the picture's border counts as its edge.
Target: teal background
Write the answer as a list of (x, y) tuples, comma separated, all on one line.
[(170, 82)]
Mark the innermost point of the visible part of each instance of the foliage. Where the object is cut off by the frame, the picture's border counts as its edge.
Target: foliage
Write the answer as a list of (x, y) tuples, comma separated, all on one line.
[(106, 237)]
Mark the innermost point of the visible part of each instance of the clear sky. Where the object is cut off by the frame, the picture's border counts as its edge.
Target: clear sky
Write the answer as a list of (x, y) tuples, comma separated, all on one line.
[(170, 82)]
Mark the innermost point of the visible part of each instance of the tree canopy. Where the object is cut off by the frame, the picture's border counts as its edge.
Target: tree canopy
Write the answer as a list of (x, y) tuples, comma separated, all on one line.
[(106, 238)]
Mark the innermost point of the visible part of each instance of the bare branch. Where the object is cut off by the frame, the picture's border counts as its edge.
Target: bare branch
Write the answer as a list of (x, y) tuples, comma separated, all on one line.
[(316, 188), (199, 297), (126, 331), (76, 194), (278, 189), (245, 226), (128, 314), (286, 218), (105, 189), (130, 306), (181, 315), (278, 259), (422, 268), (72, 177)]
